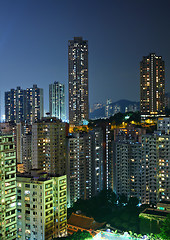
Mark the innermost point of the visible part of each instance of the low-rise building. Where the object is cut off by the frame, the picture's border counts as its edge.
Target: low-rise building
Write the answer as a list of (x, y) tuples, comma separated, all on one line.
[(80, 222)]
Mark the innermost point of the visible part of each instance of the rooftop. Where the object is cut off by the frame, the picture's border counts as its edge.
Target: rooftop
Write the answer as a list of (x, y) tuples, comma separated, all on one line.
[(84, 222)]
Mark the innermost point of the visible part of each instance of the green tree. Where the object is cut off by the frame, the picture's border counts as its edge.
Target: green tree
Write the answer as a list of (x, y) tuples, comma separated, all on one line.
[(81, 236), (165, 229), (123, 199), (133, 201)]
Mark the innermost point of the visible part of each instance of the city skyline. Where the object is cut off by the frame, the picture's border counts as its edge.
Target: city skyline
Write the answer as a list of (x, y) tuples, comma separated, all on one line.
[(34, 46), (87, 120)]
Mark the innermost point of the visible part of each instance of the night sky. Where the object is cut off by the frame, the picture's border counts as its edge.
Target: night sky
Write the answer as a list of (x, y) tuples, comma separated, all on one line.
[(34, 38)]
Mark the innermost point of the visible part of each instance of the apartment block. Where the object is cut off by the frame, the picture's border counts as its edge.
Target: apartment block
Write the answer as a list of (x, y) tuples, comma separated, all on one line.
[(49, 145), (8, 224), (127, 168), (155, 168), (79, 167), (41, 206)]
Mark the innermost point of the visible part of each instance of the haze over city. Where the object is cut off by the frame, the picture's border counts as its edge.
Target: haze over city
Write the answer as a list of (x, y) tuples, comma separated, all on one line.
[(34, 44)]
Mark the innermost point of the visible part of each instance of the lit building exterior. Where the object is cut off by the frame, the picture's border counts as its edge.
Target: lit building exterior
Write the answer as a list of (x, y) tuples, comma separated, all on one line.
[(79, 167), (34, 104), (23, 145), (49, 145), (108, 108), (27, 152), (152, 85), (163, 125), (24, 105), (127, 168), (155, 168), (108, 157), (15, 105), (8, 224), (78, 80), (57, 106), (167, 100), (116, 109), (97, 162), (41, 206)]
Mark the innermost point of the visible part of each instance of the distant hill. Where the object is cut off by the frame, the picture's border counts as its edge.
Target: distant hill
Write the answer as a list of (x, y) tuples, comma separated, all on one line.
[(122, 104)]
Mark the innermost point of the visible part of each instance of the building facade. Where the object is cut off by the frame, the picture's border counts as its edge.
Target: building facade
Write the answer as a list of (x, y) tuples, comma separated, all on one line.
[(24, 105), (49, 145), (78, 80), (152, 85), (155, 168), (97, 162), (41, 206), (79, 167), (163, 125), (57, 106), (34, 104), (8, 224), (127, 168), (15, 105)]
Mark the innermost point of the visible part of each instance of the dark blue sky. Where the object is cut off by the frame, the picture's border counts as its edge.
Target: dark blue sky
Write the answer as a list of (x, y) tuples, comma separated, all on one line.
[(34, 36)]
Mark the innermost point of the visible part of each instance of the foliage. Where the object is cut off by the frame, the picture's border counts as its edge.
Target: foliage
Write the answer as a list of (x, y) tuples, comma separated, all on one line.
[(79, 235), (104, 208), (123, 199), (133, 201), (165, 229)]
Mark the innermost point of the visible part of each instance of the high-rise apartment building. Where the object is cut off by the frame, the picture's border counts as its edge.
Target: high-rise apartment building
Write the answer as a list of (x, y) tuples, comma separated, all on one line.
[(127, 168), (27, 152), (23, 146), (152, 85), (24, 105), (108, 108), (163, 125), (79, 167), (8, 224), (155, 168), (34, 104), (107, 156), (49, 145), (78, 80), (97, 160), (57, 106), (41, 206), (15, 105), (167, 100)]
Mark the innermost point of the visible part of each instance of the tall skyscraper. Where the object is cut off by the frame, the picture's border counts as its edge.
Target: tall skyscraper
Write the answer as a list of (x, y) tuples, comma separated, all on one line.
[(152, 85), (127, 168), (24, 105), (15, 105), (49, 145), (155, 168), (8, 225), (78, 80), (79, 167), (34, 104), (57, 106)]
